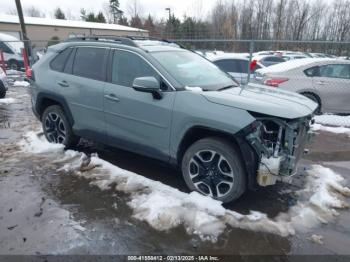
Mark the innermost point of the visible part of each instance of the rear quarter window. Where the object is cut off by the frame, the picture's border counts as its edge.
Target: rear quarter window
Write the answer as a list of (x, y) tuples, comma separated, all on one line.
[(312, 71), (60, 60)]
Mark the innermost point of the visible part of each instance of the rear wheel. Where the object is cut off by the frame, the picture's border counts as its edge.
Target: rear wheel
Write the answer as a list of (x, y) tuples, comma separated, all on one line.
[(314, 98), (14, 65), (213, 167), (56, 127)]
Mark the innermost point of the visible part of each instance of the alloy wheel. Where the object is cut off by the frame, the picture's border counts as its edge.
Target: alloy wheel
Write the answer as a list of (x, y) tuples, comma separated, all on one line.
[(211, 173), (55, 129)]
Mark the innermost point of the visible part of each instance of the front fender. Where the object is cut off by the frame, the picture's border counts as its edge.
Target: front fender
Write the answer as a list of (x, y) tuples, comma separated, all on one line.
[(192, 109)]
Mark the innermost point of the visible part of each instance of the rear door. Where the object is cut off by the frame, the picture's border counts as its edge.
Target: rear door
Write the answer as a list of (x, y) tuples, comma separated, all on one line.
[(135, 120), (333, 84), (82, 86)]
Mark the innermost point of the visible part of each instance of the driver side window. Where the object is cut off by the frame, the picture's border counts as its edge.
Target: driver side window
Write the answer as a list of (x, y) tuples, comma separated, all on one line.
[(127, 66)]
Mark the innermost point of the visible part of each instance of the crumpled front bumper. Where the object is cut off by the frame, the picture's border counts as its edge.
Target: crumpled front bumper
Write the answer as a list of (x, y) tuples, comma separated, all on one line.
[(280, 164)]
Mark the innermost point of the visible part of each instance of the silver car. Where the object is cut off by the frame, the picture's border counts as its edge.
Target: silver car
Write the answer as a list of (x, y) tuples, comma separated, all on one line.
[(324, 80), (236, 65)]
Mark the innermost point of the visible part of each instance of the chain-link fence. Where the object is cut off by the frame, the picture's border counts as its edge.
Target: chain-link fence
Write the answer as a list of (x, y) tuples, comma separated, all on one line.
[(318, 69)]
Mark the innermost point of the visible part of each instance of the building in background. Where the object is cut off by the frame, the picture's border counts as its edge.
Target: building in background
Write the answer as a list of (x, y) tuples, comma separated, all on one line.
[(41, 30)]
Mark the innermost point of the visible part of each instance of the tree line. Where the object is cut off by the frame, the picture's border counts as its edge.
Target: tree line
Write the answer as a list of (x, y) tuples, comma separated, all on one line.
[(234, 19)]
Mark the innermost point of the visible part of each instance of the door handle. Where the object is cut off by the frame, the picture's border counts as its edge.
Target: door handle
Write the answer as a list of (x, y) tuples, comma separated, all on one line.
[(322, 83), (112, 97), (63, 83)]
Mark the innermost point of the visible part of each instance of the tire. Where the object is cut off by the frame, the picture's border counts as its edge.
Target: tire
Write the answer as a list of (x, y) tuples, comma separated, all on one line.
[(14, 65), (213, 167), (2, 90), (314, 98), (56, 127)]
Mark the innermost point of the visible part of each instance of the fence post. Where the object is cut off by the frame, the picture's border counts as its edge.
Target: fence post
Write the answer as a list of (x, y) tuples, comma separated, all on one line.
[(251, 50)]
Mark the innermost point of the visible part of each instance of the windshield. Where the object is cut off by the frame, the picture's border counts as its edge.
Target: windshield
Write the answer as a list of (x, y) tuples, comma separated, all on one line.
[(192, 70)]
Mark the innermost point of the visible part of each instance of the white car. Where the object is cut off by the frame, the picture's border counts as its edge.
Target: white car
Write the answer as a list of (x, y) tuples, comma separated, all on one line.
[(11, 48), (3, 83), (236, 65), (326, 81)]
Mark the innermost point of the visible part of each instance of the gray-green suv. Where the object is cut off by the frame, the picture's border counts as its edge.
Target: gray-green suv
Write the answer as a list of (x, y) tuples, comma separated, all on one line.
[(157, 99)]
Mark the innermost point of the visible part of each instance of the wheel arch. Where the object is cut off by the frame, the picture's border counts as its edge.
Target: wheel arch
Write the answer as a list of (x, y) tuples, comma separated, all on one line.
[(247, 154), (44, 100)]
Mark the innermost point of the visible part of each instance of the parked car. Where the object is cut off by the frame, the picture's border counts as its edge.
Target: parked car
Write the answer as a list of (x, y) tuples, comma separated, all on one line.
[(171, 104), (11, 48), (325, 81), (3, 83), (268, 60), (236, 65)]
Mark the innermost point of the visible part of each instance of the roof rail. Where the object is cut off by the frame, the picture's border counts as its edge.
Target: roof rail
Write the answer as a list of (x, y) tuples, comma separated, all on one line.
[(124, 40), (105, 38)]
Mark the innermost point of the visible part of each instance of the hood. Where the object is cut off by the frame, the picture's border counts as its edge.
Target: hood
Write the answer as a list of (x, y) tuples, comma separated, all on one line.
[(264, 100)]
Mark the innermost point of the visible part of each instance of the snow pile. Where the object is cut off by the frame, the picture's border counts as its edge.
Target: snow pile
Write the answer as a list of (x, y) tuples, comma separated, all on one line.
[(164, 207), (195, 89), (331, 129), (7, 101), (333, 120), (32, 143), (21, 83)]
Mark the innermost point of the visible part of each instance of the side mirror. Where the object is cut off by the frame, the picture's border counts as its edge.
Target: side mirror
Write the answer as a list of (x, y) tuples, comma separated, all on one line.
[(148, 84)]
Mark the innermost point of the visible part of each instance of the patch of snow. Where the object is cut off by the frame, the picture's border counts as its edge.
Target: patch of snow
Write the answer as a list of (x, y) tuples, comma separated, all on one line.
[(333, 120), (194, 89), (7, 100), (331, 129), (21, 83), (33, 144), (164, 207), (317, 239)]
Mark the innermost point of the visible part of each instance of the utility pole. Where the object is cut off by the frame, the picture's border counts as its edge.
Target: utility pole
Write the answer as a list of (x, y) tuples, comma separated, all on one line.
[(23, 27), (169, 23)]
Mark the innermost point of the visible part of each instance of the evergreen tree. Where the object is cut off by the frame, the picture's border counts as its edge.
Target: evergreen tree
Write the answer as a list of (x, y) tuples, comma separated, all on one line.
[(59, 14), (114, 9), (100, 18)]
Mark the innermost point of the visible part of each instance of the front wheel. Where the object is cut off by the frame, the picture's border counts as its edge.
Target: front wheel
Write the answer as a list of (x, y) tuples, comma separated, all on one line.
[(213, 167), (56, 127)]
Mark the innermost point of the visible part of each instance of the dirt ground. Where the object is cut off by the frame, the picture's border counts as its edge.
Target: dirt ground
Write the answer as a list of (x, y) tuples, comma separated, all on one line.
[(43, 212)]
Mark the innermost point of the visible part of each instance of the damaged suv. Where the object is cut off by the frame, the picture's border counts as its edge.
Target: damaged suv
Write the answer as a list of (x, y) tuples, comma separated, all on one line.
[(157, 99)]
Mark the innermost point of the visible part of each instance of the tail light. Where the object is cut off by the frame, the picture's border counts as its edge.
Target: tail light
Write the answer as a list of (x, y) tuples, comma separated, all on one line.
[(275, 81)]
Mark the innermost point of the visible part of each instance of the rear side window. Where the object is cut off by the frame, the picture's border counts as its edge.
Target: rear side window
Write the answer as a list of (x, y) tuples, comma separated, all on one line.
[(312, 71), (233, 65), (59, 61), (335, 71), (90, 62), (127, 66), (274, 59)]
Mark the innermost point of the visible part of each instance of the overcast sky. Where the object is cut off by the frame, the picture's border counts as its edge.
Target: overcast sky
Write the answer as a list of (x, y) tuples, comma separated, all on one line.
[(155, 7)]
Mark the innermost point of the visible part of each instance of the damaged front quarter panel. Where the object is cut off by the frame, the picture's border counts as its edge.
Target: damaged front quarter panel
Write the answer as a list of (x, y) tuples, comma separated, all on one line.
[(279, 144)]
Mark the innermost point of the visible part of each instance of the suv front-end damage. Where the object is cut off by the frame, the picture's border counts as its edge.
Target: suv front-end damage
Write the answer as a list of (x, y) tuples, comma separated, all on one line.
[(279, 144)]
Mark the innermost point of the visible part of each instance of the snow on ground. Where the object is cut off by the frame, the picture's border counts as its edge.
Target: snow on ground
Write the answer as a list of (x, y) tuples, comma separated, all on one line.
[(164, 207), (332, 123), (333, 120), (7, 100), (21, 83), (331, 129)]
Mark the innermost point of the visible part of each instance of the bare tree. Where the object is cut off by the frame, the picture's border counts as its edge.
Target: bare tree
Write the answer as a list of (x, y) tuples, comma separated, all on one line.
[(33, 12), (135, 9)]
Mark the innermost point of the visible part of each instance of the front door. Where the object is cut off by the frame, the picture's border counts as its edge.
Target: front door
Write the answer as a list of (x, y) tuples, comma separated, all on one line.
[(135, 120)]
